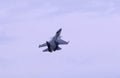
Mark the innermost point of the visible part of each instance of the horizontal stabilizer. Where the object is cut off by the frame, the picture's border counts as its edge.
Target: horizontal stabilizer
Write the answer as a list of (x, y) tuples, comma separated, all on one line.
[(58, 48), (46, 50)]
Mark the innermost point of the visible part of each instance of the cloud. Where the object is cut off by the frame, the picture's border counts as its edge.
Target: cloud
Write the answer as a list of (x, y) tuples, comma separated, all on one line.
[(98, 6), (24, 10), (94, 40), (93, 48), (4, 37)]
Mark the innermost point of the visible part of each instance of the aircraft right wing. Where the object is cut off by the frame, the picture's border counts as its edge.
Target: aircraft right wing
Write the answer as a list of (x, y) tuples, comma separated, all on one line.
[(60, 41), (42, 45)]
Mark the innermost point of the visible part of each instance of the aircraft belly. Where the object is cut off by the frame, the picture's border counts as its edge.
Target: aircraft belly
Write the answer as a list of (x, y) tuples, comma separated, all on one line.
[(53, 46)]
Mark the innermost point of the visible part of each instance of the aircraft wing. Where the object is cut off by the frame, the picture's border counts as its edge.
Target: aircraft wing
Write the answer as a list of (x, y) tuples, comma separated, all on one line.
[(60, 41), (42, 45)]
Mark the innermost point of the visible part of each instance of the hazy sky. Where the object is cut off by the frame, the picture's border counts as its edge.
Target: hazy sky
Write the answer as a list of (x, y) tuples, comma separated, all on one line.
[(91, 26)]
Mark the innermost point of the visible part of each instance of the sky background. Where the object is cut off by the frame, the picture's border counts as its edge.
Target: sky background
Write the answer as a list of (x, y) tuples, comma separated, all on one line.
[(91, 26)]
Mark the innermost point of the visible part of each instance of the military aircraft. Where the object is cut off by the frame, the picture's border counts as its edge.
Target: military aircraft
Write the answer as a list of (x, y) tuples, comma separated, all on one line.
[(54, 43)]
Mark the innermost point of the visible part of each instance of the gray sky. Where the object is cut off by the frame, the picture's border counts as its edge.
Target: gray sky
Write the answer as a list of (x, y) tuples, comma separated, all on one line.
[(91, 26)]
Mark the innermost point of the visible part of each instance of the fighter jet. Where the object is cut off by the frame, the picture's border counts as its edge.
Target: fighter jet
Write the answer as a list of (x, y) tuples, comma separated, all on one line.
[(54, 43)]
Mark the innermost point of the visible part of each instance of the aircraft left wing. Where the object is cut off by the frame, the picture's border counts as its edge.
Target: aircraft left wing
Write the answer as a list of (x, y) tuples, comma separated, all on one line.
[(42, 45), (60, 41)]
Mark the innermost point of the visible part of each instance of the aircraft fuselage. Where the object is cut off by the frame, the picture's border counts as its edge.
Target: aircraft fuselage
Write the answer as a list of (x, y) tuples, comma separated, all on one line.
[(52, 45)]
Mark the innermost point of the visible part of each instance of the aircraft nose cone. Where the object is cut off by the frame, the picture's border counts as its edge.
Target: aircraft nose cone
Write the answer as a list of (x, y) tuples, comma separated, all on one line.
[(59, 30)]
